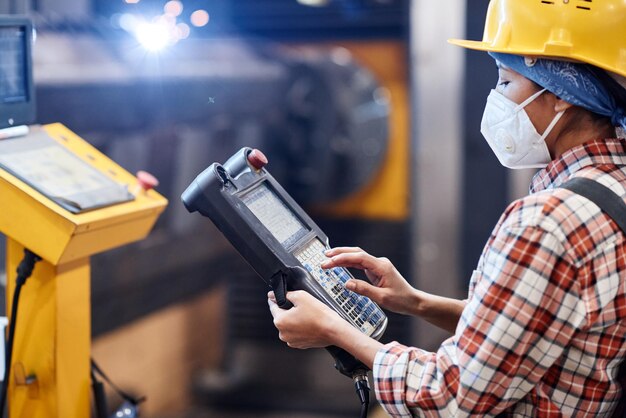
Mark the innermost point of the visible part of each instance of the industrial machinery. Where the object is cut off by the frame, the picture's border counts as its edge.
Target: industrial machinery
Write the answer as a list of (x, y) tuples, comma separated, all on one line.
[(318, 109), (62, 202)]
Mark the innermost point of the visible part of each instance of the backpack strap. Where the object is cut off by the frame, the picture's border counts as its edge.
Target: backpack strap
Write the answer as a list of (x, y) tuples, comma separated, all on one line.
[(602, 196), (613, 205)]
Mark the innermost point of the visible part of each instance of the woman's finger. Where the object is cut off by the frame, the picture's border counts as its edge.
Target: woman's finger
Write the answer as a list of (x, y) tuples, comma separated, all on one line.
[(271, 296), (274, 308), (363, 288), (296, 296), (341, 250), (360, 260)]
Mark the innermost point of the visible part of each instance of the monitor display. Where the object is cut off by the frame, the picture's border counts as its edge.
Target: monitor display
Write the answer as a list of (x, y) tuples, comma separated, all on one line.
[(13, 65), (58, 174), (275, 215), (17, 98)]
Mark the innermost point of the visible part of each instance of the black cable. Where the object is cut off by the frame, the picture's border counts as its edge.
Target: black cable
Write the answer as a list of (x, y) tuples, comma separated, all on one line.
[(349, 366), (99, 396), (362, 387), (24, 271), (125, 395), (130, 407)]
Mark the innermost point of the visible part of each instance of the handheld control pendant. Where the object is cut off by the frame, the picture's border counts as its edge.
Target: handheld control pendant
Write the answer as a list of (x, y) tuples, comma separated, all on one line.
[(280, 241)]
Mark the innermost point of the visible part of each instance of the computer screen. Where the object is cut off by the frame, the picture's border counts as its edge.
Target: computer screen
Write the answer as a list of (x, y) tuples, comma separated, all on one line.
[(17, 99), (13, 75), (54, 171), (274, 215)]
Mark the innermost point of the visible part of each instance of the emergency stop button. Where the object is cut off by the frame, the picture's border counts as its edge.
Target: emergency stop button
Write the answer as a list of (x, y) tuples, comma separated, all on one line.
[(257, 159), (146, 181)]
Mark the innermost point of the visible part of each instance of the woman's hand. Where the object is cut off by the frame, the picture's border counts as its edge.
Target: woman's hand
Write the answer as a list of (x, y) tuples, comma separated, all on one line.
[(308, 324), (390, 290)]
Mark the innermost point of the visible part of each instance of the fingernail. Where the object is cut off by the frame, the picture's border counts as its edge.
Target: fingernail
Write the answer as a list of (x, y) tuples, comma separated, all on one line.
[(350, 285), (326, 252)]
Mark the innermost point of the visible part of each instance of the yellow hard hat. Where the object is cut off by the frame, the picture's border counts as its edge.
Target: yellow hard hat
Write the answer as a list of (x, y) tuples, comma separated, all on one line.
[(590, 31)]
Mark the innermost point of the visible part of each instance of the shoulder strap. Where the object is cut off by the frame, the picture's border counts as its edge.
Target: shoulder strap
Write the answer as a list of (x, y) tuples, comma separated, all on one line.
[(602, 196), (614, 206)]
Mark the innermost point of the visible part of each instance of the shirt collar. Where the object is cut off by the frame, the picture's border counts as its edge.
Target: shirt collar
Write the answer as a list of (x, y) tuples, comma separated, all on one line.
[(597, 152)]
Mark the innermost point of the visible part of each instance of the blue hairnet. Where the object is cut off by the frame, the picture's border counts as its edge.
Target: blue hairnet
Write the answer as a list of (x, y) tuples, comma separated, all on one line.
[(576, 83)]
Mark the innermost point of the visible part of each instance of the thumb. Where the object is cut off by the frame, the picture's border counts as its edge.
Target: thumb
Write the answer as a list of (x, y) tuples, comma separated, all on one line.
[(295, 296), (363, 288)]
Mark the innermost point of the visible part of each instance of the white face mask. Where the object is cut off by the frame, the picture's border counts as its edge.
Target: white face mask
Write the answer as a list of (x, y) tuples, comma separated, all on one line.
[(512, 136)]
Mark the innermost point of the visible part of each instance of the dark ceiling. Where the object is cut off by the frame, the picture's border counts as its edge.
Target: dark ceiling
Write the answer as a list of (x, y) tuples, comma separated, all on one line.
[(284, 19)]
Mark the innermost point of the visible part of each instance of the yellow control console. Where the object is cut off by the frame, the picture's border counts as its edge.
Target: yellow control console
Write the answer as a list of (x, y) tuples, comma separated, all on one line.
[(50, 376)]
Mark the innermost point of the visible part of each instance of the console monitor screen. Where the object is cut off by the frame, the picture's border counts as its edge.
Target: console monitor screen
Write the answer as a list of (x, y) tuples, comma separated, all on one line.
[(274, 215), (17, 98), (58, 174), (13, 65)]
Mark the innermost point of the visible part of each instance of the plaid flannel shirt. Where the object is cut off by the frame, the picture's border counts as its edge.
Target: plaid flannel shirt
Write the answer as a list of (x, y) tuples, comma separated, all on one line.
[(544, 328)]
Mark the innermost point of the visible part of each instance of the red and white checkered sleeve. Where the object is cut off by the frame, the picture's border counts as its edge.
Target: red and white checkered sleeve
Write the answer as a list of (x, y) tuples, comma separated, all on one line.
[(524, 310)]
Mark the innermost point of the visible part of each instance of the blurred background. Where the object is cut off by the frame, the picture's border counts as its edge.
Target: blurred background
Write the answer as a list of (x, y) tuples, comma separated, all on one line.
[(368, 118)]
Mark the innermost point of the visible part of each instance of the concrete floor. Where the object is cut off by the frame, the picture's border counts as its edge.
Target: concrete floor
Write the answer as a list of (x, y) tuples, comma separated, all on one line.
[(375, 412)]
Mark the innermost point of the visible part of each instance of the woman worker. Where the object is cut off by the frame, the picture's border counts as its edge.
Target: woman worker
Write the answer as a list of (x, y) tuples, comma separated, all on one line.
[(543, 330)]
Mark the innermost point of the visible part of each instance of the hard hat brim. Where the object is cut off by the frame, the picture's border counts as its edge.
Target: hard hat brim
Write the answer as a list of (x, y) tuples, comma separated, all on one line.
[(477, 45), (487, 47)]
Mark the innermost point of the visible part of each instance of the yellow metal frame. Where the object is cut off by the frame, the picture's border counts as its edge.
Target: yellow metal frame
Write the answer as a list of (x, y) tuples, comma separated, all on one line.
[(59, 236), (51, 353)]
